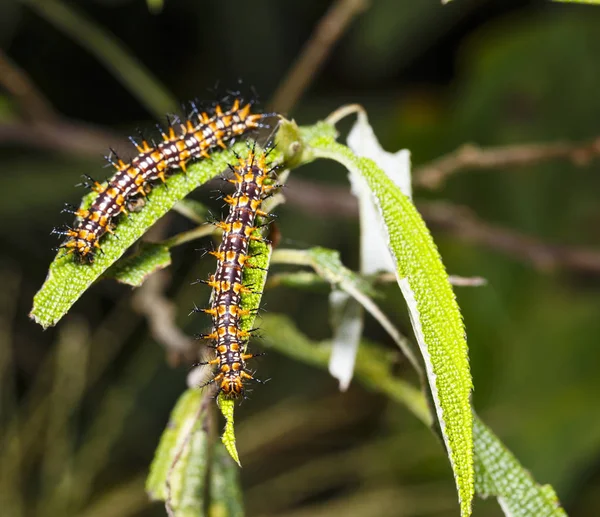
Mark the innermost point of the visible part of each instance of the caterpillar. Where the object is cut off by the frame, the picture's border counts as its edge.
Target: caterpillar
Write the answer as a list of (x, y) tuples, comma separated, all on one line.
[(198, 135), (251, 177)]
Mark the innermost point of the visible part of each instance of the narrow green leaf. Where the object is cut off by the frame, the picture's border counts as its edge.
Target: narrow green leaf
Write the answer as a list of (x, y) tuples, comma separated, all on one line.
[(374, 364), (134, 270), (299, 280), (432, 306), (225, 499), (328, 265), (497, 471), (67, 280), (326, 262), (178, 472), (499, 474), (193, 210), (228, 438)]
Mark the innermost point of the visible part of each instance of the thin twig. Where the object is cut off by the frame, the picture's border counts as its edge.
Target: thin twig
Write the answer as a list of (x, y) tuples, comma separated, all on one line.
[(18, 84), (463, 223), (315, 52), (467, 281), (71, 137), (455, 280), (469, 156), (328, 200), (161, 312), (320, 199), (110, 51)]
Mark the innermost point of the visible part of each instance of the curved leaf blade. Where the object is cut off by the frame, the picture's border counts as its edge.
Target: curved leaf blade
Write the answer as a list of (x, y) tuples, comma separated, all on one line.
[(497, 472), (67, 280), (228, 437), (135, 269), (432, 307)]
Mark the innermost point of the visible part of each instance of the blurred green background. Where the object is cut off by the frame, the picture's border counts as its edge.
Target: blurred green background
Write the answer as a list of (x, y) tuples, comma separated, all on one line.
[(83, 405)]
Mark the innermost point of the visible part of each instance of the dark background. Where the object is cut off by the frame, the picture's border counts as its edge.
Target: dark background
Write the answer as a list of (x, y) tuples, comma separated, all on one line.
[(432, 78)]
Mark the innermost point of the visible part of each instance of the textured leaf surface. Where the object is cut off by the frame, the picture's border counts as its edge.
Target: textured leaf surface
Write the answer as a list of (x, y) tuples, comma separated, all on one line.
[(499, 474), (135, 269), (432, 306), (67, 280), (228, 437), (178, 472)]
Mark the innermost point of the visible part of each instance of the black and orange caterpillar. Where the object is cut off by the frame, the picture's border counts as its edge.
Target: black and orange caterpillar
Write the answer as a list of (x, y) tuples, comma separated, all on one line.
[(252, 180), (197, 136)]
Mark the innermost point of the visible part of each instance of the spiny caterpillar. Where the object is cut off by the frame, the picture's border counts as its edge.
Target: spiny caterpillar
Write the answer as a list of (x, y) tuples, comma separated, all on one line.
[(252, 185), (198, 135)]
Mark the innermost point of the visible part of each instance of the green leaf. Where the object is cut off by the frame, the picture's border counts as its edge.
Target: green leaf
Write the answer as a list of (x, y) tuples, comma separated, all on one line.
[(178, 472), (374, 364), (304, 280), (497, 471), (499, 474), (67, 279), (375, 256), (326, 262), (134, 270), (193, 210), (227, 405), (225, 490), (432, 307), (328, 266)]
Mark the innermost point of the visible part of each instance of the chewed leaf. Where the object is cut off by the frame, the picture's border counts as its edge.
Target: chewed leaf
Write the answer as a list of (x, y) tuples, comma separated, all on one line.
[(228, 438), (434, 313), (178, 472), (67, 279), (499, 474), (135, 269)]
